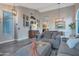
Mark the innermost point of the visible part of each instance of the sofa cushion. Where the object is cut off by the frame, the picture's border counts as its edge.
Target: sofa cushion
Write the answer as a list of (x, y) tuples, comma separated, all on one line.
[(72, 43), (65, 50), (43, 50), (47, 35), (56, 43), (77, 46)]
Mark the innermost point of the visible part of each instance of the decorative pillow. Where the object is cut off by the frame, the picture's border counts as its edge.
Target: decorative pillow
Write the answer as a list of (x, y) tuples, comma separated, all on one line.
[(72, 43)]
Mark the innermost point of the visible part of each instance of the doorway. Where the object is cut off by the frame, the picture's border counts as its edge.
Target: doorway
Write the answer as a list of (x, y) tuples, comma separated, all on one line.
[(77, 22), (8, 28)]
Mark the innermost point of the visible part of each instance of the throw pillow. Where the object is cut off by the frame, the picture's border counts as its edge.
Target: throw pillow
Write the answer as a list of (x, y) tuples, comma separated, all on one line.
[(72, 43)]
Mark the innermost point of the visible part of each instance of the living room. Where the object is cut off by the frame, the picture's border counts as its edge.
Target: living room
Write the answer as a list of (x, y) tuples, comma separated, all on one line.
[(48, 24)]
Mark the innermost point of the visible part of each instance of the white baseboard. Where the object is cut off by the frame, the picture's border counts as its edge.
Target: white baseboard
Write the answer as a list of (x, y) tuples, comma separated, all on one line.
[(6, 41), (22, 39), (13, 40)]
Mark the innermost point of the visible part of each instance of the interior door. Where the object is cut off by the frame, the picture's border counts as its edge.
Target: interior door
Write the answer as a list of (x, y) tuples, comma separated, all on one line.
[(8, 25)]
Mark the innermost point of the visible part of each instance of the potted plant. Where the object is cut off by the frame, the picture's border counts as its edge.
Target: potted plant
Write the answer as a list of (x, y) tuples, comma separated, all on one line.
[(72, 26)]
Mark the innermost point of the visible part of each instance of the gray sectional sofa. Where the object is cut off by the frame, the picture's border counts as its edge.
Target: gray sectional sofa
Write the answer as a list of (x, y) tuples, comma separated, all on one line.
[(53, 37), (43, 50), (64, 50)]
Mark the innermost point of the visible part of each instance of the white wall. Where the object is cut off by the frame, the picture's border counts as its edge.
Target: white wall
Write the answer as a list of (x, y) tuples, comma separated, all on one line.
[(23, 32), (4, 38), (65, 13)]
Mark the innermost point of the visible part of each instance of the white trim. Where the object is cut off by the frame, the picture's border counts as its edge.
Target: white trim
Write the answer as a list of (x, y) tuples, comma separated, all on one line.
[(13, 40), (22, 39), (6, 41)]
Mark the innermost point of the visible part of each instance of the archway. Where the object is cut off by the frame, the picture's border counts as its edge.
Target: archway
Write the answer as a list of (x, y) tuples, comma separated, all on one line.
[(77, 22)]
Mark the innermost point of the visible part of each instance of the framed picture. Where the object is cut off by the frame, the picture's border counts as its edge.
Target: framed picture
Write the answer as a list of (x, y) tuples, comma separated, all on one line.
[(38, 23), (27, 23), (25, 20), (23, 16)]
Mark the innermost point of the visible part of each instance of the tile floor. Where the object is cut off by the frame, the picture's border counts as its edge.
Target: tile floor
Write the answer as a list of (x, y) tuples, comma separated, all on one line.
[(8, 49), (12, 47)]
